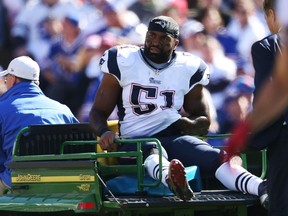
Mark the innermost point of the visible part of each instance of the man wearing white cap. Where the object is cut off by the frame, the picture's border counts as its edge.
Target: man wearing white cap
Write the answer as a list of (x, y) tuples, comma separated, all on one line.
[(23, 67), (22, 103)]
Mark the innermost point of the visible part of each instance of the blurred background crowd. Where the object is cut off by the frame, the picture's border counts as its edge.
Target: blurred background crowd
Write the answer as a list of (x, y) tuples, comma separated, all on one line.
[(68, 37)]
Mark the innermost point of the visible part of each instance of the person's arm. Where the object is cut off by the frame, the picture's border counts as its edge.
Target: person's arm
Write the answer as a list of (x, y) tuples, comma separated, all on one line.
[(198, 120), (104, 104)]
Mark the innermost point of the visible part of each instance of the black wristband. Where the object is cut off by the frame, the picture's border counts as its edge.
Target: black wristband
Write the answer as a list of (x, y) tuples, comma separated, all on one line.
[(101, 130)]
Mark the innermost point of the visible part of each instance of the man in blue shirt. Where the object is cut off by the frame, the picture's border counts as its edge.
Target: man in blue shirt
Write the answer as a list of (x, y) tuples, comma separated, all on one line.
[(23, 103)]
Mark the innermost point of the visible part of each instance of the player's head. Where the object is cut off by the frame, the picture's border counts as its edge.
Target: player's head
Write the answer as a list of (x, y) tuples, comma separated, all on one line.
[(161, 39), (269, 7)]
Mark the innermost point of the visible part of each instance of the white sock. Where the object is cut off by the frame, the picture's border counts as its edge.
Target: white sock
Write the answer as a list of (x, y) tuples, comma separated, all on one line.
[(151, 164), (238, 179)]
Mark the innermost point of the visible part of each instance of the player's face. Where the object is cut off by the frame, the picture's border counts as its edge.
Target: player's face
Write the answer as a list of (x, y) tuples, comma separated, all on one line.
[(159, 46)]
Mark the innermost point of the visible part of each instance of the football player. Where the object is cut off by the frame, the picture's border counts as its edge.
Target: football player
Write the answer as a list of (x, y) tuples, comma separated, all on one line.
[(149, 85)]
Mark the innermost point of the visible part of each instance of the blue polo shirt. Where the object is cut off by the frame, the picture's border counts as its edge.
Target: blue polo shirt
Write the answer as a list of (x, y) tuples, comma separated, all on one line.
[(22, 105)]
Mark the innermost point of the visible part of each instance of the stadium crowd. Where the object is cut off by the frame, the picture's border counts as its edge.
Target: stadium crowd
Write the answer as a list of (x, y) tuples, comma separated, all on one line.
[(68, 37)]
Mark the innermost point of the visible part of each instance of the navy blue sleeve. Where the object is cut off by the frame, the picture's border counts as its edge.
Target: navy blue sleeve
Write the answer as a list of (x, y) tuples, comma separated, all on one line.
[(112, 62), (198, 74), (263, 56)]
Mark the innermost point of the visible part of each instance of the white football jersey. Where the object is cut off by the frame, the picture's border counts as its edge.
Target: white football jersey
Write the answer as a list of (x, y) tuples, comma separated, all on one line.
[(151, 98)]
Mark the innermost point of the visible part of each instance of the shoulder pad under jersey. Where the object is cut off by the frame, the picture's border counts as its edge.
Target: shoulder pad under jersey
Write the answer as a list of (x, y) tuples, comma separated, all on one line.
[(126, 55), (123, 56), (197, 68)]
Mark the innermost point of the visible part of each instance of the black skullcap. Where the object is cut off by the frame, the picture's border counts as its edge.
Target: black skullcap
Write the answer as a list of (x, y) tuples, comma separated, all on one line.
[(164, 24)]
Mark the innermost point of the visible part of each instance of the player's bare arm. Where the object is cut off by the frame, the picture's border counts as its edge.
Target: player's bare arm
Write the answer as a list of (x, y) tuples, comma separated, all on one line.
[(198, 120), (104, 103)]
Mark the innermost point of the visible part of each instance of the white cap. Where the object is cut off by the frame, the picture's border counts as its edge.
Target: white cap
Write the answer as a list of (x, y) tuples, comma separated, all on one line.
[(191, 27), (93, 41), (23, 67)]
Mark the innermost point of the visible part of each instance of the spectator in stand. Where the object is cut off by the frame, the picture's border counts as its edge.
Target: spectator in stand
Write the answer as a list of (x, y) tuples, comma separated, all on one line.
[(88, 60), (29, 32), (90, 13), (223, 7), (192, 37), (237, 103), (60, 75), (145, 9), (177, 9), (22, 103), (214, 26), (246, 28), (222, 69), (5, 51), (261, 14), (123, 23), (13, 8)]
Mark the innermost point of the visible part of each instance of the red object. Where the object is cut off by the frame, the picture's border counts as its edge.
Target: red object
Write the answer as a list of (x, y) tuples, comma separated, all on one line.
[(180, 5), (86, 205), (238, 140)]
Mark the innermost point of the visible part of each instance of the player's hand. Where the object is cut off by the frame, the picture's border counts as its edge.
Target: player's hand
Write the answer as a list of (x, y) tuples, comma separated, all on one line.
[(198, 126), (107, 139), (238, 140)]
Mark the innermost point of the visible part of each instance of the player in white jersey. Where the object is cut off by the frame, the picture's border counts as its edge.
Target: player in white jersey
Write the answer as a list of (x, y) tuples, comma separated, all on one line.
[(151, 97), (150, 85)]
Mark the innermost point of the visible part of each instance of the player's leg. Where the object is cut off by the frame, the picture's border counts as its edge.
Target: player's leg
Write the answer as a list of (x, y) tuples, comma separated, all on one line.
[(193, 151), (173, 174)]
